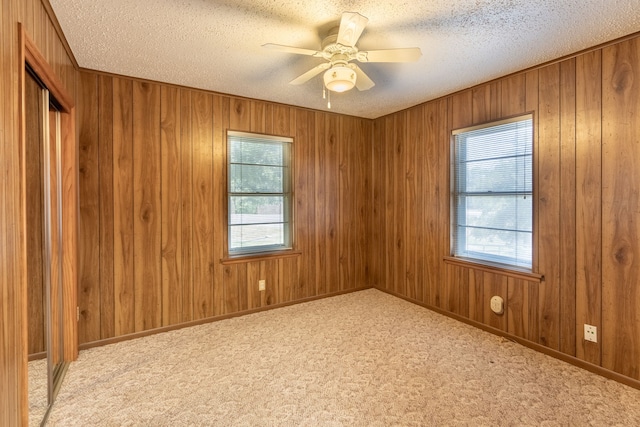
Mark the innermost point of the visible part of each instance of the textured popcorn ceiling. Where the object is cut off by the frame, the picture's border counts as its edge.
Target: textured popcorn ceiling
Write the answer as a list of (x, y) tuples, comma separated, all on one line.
[(216, 45)]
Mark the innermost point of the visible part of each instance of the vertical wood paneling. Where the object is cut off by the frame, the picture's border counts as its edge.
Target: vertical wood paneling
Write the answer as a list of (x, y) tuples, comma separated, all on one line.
[(548, 200), (307, 196), (440, 141), (513, 92), (302, 225), (532, 79), (253, 276), (377, 235), (414, 235), (89, 286), (332, 253), (486, 102), (258, 117), (186, 205), (461, 112), (171, 213), (399, 255), (105, 156), (476, 296), (346, 196), (202, 164), (320, 164), (389, 214), (123, 278), (567, 249), (517, 307), (147, 244), (620, 208), (588, 202), (221, 114), (240, 115)]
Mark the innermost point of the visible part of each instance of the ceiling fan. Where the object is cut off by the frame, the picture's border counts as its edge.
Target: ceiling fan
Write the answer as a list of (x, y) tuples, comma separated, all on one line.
[(339, 48)]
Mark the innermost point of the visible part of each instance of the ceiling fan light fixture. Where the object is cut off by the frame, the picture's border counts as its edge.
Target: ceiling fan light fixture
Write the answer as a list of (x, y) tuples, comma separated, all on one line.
[(340, 78)]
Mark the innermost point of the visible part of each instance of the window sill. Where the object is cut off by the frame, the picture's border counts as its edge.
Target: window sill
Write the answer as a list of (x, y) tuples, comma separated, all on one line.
[(488, 267), (237, 259)]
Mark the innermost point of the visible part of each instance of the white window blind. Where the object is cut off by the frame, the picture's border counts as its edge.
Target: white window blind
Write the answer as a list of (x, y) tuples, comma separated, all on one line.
[(259, 195), (493, 192)]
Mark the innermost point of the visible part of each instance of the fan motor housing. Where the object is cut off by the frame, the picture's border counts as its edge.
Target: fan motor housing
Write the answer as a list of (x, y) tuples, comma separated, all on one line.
[(330, 48)]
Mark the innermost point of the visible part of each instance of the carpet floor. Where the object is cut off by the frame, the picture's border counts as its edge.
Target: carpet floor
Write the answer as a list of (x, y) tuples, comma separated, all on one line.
[(360, 359)]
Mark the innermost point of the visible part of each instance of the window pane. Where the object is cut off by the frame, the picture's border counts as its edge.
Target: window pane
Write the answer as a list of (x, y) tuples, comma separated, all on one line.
[(490, 221), (247, 236), (498, 212), (256, 209), (259, 199), (512, 174), (256, 153), (256, 179), (507, 247), (511, 139)]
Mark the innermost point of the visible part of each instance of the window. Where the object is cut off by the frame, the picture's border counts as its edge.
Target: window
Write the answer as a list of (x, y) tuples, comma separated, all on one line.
[(493, 192), (259, 202)]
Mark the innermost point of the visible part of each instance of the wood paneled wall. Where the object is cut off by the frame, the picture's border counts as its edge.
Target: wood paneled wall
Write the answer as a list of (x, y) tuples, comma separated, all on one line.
[(33, 15), (153, 197), (586, 185)]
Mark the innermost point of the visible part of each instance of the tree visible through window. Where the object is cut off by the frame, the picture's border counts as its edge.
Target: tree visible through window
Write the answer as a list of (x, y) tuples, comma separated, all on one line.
[(493, 192), (259, 201)]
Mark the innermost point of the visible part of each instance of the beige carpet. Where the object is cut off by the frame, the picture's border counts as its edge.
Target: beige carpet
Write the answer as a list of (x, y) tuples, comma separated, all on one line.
[(37, 391), (362, 359)]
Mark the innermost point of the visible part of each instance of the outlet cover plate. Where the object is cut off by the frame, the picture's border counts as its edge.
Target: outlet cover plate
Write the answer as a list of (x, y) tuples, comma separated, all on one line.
[(590, 333)]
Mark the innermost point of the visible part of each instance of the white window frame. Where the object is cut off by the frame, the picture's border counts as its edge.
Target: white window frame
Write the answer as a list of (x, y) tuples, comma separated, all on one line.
[(286, 194), (459, 219)]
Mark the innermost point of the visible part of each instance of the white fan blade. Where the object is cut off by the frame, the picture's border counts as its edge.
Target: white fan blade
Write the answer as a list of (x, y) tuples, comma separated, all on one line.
[(363, 82), (408, 54), (310, 74), (351, 26), (290, 49)]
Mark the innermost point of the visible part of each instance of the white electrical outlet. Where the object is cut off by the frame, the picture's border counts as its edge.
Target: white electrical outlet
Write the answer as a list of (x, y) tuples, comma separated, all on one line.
[(590, 333), (262, 285)]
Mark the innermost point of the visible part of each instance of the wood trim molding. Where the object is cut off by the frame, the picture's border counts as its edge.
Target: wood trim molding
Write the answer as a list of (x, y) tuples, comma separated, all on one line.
[(596, 369), (516, 274), (41, 67), (22, 285), (259, 257)]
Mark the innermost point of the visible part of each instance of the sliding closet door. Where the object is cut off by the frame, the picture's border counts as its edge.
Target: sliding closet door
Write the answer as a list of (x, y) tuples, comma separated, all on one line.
[(37, 295), (49, 228), (44, 231), (53, 194)]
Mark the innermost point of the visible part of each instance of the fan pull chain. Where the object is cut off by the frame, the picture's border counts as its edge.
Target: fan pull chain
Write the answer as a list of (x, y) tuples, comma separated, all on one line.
[(329, 101)]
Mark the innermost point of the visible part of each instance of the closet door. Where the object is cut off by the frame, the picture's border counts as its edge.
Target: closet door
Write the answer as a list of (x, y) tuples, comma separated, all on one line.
[(44, 247), (53, 220), (37, 295)]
